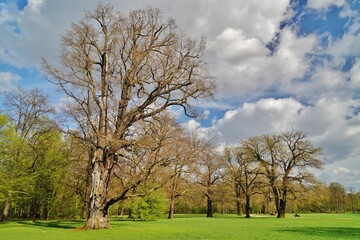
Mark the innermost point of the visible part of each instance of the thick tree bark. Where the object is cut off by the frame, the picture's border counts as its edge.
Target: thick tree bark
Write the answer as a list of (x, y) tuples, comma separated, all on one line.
[(282, 208), (98, 219), (282, 204), (98, 209), (247, 206)]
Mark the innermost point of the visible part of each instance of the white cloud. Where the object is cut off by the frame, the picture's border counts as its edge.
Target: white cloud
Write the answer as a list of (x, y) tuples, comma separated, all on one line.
[(245, 65), (34, 6), (348, 45), (265, 116), (324, 82), (7, 80), (192, 125), (348, 177), (325, 4), (326, 123), (232, 45)]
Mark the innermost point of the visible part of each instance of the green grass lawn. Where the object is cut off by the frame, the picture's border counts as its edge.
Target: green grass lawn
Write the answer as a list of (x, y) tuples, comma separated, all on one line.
[(309, 226)]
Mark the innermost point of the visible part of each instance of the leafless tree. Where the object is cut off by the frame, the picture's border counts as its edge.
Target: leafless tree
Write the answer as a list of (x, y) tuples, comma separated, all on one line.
[(117, 70), (234, 177), (285, 159), (244, 171), (29, 110), (208, 171)]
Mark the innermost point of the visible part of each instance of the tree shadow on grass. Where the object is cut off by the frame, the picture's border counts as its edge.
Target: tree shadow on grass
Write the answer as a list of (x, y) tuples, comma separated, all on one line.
[(326, 232), (68, 224)]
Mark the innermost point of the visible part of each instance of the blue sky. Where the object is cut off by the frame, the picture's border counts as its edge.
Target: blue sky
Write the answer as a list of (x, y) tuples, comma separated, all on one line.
[(279, 65)]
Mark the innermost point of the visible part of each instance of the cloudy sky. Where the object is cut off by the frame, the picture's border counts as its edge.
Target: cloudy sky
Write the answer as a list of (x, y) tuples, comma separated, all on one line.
[(279, 65)]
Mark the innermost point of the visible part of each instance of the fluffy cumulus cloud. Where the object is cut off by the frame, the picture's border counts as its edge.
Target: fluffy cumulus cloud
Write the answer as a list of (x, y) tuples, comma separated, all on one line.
[(233, 45), (251, 119), (245, 64)]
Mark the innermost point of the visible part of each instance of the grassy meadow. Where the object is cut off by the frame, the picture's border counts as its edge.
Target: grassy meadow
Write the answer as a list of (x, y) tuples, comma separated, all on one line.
[(308, 226)]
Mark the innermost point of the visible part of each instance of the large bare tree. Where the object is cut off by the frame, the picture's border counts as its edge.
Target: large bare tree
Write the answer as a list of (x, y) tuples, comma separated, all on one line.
[(120, 69), (286, 160)]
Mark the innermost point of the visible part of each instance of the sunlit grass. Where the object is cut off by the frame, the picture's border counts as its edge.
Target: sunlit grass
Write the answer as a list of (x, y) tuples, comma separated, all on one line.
[(309, 226)]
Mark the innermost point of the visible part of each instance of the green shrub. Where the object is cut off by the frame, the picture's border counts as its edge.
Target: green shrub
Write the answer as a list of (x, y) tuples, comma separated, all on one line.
[(149, 207)]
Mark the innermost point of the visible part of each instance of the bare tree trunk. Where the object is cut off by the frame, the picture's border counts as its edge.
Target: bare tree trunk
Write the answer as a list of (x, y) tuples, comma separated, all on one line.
[(238, 201), (172, 198), (98, 209), (281, 212), (277, 200), (171, 208), (238, 207), (247, 206), (282, 205), (209, 212)]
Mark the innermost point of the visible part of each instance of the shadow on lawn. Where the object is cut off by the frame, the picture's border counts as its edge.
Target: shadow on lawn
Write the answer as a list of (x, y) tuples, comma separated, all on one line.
[(330, 232), (69, 224)]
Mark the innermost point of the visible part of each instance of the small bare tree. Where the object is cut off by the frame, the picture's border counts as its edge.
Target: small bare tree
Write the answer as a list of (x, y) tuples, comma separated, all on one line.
[(118, 70), (234, 174), (29, 111), (208, 171), (244, 171)]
